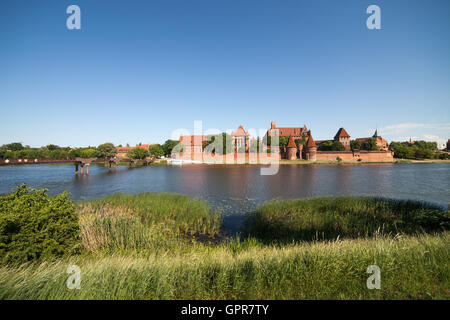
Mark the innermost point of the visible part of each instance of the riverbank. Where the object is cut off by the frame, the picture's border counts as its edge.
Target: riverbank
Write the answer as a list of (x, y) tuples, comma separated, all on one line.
[(282, 162), (169, 246)]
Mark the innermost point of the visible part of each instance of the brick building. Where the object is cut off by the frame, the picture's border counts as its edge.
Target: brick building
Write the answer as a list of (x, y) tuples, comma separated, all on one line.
[(122, 151), (382, 144), (241, 138), (294, 132), (343, 137)]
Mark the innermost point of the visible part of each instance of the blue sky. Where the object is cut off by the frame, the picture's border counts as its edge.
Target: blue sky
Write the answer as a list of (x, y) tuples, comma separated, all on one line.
[(138, 70)]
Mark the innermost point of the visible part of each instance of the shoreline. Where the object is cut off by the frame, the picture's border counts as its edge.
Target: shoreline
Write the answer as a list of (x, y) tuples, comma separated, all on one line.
[(281, 162)]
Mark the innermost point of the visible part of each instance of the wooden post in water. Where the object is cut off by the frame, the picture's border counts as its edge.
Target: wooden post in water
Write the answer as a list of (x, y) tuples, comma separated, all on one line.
[(76, 168), (81, 169), (87, 169)]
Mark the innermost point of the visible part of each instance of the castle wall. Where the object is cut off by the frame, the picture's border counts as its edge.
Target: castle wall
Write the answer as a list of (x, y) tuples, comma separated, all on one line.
[(230, 158), (370, 156)]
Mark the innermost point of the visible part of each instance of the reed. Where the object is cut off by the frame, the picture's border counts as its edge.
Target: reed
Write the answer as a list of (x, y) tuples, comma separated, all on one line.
[(344, 217), (146, 221)]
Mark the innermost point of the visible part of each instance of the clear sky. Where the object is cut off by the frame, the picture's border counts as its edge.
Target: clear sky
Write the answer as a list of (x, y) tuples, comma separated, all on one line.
[(138, 70)]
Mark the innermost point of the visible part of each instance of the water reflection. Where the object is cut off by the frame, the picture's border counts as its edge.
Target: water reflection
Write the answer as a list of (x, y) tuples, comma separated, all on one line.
[(237, 189)]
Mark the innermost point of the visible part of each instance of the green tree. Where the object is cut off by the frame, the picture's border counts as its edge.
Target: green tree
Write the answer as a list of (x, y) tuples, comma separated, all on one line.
[(370, 144), (355, 144), (15, 146), (299, 142), (337, 146), (35, 226), (138, 153), (223, 143), (283, 141), (168, 146), (325, 146), (88, 153), (75, 153), (52, 147), (156, 150), (331, 146), (106, 150)]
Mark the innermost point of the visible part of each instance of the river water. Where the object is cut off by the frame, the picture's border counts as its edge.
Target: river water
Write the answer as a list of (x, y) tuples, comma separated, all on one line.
[(236, 190)]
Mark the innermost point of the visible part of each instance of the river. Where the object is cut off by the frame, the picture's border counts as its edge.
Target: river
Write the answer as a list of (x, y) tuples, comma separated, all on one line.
[(236, 190)]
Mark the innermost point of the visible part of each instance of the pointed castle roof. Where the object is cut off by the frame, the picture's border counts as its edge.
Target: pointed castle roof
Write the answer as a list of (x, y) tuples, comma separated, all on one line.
[(375, 135), (291, 143), (240, 132), (341, 134), (311, 143)]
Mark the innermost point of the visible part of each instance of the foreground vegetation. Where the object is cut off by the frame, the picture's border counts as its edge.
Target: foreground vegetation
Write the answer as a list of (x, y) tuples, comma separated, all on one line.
[(411, 268), (169, 246), (344, 217)]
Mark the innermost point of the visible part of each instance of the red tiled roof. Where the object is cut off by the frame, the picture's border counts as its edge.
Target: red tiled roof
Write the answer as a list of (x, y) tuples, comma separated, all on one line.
[(239, 132), (342, 134), (124, 149), (291, 143), (311, 143), (290, 131)]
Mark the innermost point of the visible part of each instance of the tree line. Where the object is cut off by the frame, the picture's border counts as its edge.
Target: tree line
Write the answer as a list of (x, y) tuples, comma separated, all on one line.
[(17, 150)]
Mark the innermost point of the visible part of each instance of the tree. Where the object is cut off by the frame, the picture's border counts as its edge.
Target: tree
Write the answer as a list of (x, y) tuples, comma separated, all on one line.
[(325, 146), (331, 146), (15, 146), (222, 143), (138, 153), (168, 146), (106, 150), (299, 142), (75, 153), (34, 225), (337, 146), (355, 144), (88, 153), (52, 147), (370, 144), (156, 150), (283, 141)]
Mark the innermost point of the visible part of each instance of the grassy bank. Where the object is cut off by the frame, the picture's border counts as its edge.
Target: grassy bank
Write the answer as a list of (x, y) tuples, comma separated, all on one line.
[(166, 246), (143, 222), (411, 268), (344, 217)]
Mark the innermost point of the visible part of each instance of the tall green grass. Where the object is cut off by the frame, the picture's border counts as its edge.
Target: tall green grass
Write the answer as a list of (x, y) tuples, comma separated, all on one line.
[(156, 246), (411, 268), (344, 217), (146, 221)]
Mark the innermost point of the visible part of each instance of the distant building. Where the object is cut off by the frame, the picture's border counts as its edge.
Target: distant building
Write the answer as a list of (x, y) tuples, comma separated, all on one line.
[(193, 143), (294, 132), (343, 137), (122, 151), (382, 144), (240, 138)]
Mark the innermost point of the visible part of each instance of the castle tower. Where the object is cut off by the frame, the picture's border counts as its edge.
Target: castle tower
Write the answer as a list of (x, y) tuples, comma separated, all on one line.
[(273, 125), (343, 137), (311, 149), (291, 149)]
